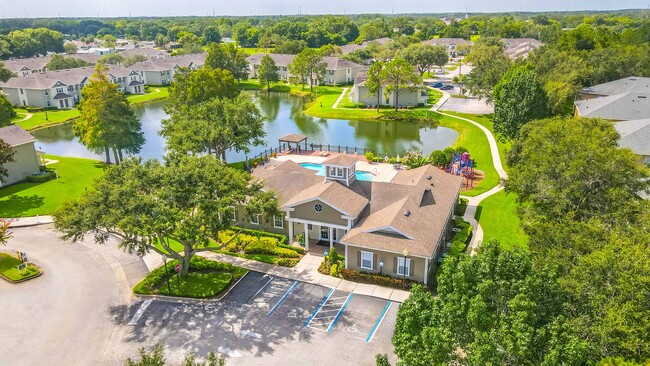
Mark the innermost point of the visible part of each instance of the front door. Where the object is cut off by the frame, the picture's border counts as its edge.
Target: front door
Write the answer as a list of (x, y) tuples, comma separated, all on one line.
[(334, 238), (324, 233)]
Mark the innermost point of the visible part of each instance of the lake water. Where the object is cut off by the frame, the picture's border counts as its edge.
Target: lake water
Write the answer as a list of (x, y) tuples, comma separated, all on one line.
[(284, 116)]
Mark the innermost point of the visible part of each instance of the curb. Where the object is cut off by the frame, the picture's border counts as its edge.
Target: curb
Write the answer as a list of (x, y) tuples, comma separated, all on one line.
[(40, 272)]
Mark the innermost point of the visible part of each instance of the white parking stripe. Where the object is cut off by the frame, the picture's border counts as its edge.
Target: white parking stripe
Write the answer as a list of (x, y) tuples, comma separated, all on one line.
[(138, 314)]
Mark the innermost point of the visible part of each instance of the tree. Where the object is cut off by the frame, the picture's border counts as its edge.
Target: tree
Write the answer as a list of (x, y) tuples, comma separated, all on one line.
[(421, 55), (215, 126), (268, 72), (192, 87), (70, 48), (382, 360), (518, 99), (189, 200), (106, 119), (228, 56), (5, 234), (6, 156), (112, 59), (573, 168), (491, 308), (7, 111), (290, 47), (490, 64), (60, 62), (399, 77), (375, 79), (211, 35), (156, 358), (308, 65)]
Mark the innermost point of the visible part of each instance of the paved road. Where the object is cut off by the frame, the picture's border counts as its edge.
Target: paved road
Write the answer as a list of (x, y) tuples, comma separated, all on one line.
[(67, 315)]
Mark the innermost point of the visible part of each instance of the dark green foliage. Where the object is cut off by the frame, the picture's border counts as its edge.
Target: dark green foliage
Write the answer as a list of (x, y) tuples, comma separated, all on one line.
[(287, 262), (382, 359), (6, 156), (376, 279), (7, 111), (156, 358), (60, 62), (41, 177), (461, 207)]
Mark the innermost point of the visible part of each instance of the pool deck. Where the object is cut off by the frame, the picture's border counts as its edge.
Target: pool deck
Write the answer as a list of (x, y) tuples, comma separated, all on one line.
[(381, 172)]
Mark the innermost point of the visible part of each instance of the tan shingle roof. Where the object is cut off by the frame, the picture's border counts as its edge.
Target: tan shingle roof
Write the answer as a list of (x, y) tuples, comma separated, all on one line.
[(616, 107), (15, 135), (333, 193), (341, 160), (293, 137)]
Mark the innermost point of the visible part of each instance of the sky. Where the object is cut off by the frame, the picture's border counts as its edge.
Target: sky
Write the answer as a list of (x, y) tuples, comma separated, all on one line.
[(122, 8)]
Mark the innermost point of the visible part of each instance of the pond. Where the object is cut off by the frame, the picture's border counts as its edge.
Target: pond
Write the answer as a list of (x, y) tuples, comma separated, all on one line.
[(284, 116)]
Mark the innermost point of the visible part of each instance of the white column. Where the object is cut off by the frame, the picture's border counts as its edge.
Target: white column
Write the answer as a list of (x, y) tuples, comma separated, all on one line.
[(346, 256), (426, 270), (290, 223), (331, 238), (306, 236)]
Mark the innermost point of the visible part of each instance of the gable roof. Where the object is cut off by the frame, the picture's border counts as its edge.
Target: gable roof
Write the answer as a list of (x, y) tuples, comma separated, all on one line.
[(447, 41), (632, 84), (616, 107), (32, 63), (334, 194), (283, 60), (15, 135), (341, 160), (635, 135)]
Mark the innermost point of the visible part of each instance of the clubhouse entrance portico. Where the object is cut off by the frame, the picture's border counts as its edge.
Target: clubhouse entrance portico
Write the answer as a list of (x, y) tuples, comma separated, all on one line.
[(315, 231)]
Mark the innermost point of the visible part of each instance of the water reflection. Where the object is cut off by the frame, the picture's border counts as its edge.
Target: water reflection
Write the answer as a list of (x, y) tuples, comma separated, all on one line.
[(284, 116)]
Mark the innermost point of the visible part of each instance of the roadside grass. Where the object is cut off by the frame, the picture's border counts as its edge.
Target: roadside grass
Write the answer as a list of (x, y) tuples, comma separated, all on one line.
[(486, 121), (474, 140), (497, 215), (451, 68), (205, 279), (434, 95), (9, 269), (40, 119), (31, 199), (152, 93)]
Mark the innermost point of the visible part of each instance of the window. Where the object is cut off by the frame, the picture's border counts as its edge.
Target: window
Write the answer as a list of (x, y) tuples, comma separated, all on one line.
[(255, 220), (318, 207), (234, 213), (366, 260), (59, 90), (46, 92), (324, 233), (70, 88), (278, 222), (403, 269), (21, 91)]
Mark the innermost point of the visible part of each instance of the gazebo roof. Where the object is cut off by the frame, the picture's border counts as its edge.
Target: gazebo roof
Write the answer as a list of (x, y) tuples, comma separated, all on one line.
[(294, 137)]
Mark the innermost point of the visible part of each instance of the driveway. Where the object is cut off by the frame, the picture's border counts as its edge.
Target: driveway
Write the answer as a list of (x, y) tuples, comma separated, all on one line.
[(467, 105), (65, 316)]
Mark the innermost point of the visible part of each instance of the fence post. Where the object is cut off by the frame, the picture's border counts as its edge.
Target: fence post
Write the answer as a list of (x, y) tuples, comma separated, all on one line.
[(339, 148), (328, 147)]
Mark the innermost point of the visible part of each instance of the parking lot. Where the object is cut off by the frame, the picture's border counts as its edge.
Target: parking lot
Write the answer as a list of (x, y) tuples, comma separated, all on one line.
[(268, 320)]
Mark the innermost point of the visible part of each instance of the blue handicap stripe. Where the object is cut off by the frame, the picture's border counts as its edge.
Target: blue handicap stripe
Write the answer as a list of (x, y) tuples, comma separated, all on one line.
[(320, 305), (340, 312), (283, 297)]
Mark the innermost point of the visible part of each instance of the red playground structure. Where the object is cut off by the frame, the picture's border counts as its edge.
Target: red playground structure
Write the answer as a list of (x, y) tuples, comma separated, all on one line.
[(462, 164)]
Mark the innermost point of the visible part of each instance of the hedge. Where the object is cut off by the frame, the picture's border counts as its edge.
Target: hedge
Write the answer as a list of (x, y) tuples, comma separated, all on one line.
[(376, 279), (282, 239), (461, 207), (41, 177), (461, 239), (287, 262)]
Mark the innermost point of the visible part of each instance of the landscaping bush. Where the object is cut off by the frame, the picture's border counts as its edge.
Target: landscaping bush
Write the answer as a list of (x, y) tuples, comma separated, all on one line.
[(352, 105), (369, 156), (287, 262), (376, 279), (285, 253), (41, 177), (461, 207), (298, 250), (34, 109), (282, 239), (334, 272), (261, 247), (461, 239)]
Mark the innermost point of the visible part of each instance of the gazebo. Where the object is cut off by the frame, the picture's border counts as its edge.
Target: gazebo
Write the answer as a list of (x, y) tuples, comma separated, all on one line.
[(294, 138)]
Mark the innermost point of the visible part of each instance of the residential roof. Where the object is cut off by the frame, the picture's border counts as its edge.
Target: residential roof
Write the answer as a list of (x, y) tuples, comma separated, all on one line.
[(90, 58), (293, 137), (447, 41), (632, 84), (635, 135), (62, 96), (616, 107), (144, 51), (520, 47), (161, 64), (410, 212), (337, 63), (341, 160), (32, 63), (283, 60), (354, 47), (15, 135)]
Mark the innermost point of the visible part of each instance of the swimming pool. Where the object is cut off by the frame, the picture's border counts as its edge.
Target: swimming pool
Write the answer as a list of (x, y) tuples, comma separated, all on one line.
[(320, 170)]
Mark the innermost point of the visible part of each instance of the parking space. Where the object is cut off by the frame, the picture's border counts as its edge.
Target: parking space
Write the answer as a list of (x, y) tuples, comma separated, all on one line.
[(268, 320)]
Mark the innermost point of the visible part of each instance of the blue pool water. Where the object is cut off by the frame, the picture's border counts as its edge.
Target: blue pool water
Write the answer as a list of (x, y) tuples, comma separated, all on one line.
[(320, 170)]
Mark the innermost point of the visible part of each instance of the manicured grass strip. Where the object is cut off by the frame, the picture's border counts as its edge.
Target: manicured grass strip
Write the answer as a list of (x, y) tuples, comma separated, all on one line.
[(31, 199), (497, 215), (39, 119), (473, 139), (9, 268), (197, 285), (434, 95), (486, 121), (153, 93)]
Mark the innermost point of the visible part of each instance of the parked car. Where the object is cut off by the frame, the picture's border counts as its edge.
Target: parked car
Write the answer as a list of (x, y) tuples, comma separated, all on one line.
[(447, 87), (438, 85)]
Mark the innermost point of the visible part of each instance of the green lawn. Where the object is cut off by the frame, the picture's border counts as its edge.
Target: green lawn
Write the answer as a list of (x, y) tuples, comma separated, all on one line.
[(39, 119), (486, 121), (205, 279), (474, 140), (30, 199), (153, 93), (497, 215), (434, 95), (256, 50), (9, 268)]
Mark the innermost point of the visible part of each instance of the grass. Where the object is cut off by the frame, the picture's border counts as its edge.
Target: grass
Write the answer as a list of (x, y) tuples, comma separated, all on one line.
[(152, 93), (451, 68), (205, 279), (434, 95), (497, 215), (9, 269), (40, 119), (256, 50), (31, 199)]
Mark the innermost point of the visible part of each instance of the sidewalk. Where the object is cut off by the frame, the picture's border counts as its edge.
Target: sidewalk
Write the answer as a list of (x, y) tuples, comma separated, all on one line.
[(30, 221), (307, 271)]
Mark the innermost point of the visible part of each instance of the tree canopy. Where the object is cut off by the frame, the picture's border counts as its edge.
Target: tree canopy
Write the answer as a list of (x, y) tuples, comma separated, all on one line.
[(60, 62), (424, 56), (192, 87), (490, 64), (7, 111), (399, 77), (308, 65), (375, 79), (147, 205), (7, 155), (267, 72), (227, 56)]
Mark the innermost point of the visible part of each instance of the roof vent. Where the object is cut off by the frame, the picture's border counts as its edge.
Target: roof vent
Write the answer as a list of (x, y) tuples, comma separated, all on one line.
[(429, 177), (642, 97), (407, 213)]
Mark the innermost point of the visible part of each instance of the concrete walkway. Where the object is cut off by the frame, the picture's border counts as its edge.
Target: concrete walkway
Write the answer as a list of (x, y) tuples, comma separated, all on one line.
[(30, 221), (336, 104)]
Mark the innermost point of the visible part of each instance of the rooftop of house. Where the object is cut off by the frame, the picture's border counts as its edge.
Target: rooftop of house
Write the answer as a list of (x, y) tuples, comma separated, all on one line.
[(168, 63), (617, 107), (348, 48), (632, 84), (283, 60), (447, 41), (144, 51), (15, 135), (32, 63), (410, 212), (635, 135), (68, 77)]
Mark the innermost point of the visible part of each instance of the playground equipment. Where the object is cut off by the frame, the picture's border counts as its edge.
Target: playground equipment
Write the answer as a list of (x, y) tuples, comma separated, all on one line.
[(462, 164)]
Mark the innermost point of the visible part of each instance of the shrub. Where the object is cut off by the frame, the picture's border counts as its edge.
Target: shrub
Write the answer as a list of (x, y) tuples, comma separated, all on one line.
[(260, 247), (41, 177), (298, 250), (334, 270), (392, 160), (376, 279), (34, 109), (287, 262), (285, 253), (282, 239), (461, 207), (369, 156), (352, 105)]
